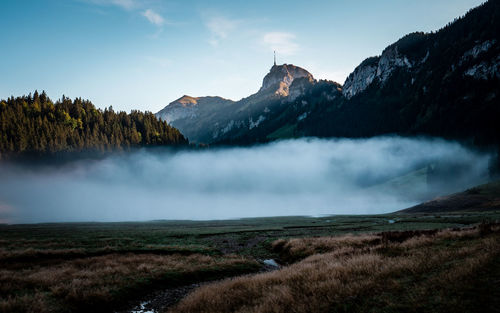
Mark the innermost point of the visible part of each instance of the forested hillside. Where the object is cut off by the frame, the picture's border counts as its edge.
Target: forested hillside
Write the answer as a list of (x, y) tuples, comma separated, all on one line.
[(34, 124), (445, 83)]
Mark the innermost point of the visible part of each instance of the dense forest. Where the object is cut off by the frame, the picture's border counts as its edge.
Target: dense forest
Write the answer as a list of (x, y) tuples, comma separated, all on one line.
[(35, 125)]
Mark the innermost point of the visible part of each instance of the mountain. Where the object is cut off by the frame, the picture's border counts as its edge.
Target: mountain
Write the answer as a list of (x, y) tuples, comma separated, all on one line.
[(194, 116), (215, 119), (187, 107), (444, 83)]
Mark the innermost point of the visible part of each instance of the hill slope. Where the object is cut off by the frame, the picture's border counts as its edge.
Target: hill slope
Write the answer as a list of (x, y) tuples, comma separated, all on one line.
[(481, 198), (445, 83)]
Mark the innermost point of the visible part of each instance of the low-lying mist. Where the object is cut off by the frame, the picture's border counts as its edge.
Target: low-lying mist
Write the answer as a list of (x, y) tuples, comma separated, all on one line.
[(292, 177)]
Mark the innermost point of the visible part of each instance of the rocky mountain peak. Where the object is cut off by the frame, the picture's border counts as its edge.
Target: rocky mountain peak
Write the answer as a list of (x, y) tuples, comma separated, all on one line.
[(186, 101), (188, 107), (280, 77)]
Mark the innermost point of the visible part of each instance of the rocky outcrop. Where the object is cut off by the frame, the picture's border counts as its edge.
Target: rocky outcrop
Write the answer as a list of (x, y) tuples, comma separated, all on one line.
[(281, 77), (381, 68), (375, 68), (389, 61), (361, 78), (485, 70), (477, 50), (299, 87)]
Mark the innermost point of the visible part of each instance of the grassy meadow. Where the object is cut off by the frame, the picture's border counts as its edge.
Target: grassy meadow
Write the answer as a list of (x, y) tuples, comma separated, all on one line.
[(332, 263)]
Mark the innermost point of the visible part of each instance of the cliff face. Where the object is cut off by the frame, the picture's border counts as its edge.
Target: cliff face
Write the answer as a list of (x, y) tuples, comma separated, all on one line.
[(361, 78), (299, 87), (380, 68), (281, 77), (484, 69)]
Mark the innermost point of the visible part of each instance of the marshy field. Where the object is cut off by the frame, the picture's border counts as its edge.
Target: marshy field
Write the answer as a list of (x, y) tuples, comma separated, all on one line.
[(410, 262)]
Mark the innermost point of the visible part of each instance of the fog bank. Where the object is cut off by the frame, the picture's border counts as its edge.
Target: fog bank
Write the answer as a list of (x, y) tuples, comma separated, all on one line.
[(292, 177)]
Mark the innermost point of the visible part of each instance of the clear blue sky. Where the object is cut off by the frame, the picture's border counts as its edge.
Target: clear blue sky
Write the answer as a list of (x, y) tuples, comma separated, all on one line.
[(143, 54)]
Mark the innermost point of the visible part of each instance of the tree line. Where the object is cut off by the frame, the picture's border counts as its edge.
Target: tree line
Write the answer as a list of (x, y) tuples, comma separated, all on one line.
[(34, 124)]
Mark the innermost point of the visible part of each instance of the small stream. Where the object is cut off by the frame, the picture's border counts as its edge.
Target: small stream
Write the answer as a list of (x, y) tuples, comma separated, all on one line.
[(160, 300)]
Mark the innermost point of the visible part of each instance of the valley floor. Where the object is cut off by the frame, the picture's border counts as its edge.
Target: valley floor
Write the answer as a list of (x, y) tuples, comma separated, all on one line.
[(332, 263)]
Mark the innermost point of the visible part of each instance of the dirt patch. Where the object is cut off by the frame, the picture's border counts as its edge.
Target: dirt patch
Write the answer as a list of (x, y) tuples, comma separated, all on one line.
[(161, 300)]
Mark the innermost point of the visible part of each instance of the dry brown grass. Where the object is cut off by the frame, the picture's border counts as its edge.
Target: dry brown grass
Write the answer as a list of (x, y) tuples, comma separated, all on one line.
[(21, 253), (298, 248), (359, 273), (95, 282)]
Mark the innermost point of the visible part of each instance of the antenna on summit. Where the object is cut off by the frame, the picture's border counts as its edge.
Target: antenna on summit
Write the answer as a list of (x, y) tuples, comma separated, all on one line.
[(275, 58)]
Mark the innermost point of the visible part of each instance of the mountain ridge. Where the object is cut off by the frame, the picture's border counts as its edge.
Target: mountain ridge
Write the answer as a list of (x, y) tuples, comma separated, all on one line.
[(211, 119), (443, 83)]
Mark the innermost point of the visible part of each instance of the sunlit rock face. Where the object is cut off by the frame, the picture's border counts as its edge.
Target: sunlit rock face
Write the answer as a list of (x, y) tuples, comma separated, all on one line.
[(281, 77), (180, 108), (188, 107)]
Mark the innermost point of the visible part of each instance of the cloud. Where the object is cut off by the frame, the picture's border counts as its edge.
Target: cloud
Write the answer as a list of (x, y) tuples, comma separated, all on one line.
[(126, 4), (134, 6), (282, 42), (153, 17), (220, 28), (292, 177)]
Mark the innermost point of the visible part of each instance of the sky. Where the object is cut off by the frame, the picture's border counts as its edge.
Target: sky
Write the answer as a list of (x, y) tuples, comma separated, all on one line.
[(143, 54)]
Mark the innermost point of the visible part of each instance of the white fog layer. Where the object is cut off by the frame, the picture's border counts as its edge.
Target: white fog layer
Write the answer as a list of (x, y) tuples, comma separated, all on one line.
[(292, 177)]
